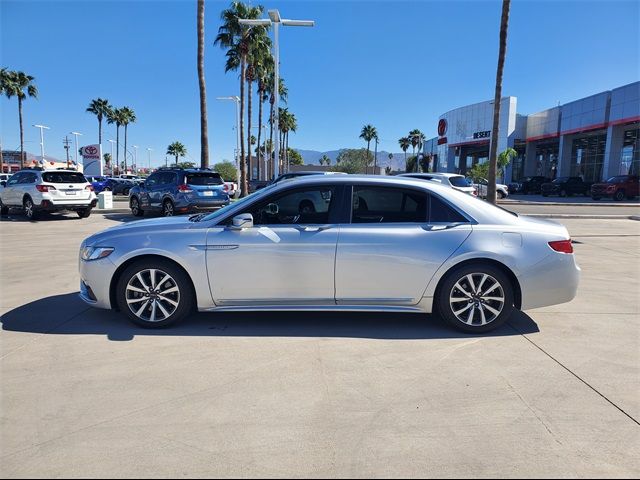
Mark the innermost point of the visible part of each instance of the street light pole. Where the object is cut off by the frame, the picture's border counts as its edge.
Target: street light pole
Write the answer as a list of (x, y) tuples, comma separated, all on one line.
[(236, 99), (112, 142), (275, 20), (149, 155), (75, 134), (42, 128), (135, 156)]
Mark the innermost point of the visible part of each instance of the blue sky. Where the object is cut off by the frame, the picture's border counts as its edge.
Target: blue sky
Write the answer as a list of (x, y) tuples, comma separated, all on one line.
[(396, 65)]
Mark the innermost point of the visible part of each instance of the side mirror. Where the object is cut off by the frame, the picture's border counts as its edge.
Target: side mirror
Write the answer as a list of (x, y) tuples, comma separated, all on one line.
[(244, 220)]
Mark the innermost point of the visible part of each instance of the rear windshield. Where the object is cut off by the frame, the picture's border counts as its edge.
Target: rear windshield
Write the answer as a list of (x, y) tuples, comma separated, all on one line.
[(204, 179), (63, 177), (458, 181)]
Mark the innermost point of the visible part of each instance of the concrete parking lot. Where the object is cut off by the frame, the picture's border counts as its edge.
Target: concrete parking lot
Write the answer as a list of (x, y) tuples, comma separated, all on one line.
[(555, 392)]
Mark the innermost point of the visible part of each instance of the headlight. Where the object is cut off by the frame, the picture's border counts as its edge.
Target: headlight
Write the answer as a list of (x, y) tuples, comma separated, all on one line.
[(95, 253)]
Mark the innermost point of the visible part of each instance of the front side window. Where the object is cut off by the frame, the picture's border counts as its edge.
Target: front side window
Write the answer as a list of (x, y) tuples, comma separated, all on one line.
[(152, 180), (309, 205), (15, 179), (28, 178), (388, 205)]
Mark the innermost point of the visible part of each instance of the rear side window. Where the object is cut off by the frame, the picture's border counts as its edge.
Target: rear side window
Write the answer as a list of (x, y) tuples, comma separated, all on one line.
[(440, 212), (204, 179), (388, 205), (63, 177)]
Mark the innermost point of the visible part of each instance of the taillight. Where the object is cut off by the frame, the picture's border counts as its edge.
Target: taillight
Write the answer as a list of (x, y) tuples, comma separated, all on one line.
[(89, 187), (562, 246), (184, 188), (474, 193), (226, 187), (45, 188)]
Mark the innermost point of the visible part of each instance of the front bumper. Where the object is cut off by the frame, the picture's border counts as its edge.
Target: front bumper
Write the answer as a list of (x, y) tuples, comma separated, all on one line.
[(95, 282)]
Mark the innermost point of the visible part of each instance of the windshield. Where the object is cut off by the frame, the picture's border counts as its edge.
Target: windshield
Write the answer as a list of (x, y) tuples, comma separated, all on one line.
[(458, 181), (620, 179), (64, 177), (204, 179)]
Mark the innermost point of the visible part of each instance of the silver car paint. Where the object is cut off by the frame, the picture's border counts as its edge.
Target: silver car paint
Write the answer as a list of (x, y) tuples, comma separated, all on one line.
[(289, 267)]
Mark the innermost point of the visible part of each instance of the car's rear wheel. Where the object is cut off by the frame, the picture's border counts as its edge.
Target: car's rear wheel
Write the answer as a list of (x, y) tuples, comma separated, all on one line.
[(29, 209), (475, 298), (501, 194), (563, 193), (134, 204), (84, 212), (4, 210), (619, 196), (155, 293), (168, 209)]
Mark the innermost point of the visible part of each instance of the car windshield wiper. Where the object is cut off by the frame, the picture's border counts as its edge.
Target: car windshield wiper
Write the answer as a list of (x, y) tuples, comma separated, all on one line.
[(197, 217)]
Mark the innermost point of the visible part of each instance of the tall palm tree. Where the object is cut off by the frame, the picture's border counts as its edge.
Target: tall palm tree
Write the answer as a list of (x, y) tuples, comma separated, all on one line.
[(259, 49), (493, 149), (404, 143), (284, 96), (368, 133), (128, 116), (417, 139), (263, 68), (100, 108), (325, 160), (3, 77), (20, 85), (204, 134), (176, 149), (236, 38), (115, 116)]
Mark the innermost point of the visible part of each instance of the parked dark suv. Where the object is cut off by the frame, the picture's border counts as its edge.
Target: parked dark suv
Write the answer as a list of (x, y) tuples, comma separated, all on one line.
[(618, 187), (565, 187), (175, 190), (533, 184)]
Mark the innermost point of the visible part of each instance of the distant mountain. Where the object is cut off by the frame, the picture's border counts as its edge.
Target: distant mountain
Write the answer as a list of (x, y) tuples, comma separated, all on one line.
[(312, 157)]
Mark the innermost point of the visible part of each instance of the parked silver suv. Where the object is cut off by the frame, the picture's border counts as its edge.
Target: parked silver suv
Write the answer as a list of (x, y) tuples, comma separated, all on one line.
[(37, 191)]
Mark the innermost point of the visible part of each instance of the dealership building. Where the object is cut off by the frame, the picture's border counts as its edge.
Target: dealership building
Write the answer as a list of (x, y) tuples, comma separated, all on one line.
[(594, 137)]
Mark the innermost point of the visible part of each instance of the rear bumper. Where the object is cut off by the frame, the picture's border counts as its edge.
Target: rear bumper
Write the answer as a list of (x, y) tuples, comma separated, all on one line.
[(552, 281), (49, 206), (202, 205)]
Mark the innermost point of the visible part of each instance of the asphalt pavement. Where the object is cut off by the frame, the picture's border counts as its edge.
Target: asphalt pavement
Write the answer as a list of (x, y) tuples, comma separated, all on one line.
[(554, 393)]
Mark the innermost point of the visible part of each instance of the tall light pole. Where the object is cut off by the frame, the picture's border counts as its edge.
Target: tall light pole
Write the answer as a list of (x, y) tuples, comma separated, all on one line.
[(236, 99), (276, 20), (149, 155), (135, 156), (42, 129), (112, 160), (75, 134)]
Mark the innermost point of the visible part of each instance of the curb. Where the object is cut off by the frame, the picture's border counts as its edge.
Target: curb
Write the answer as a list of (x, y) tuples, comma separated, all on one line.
[(594, 204), (111, 210)]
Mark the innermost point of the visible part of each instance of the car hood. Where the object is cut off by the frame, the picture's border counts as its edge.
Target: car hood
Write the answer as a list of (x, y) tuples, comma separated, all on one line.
[(147, 227)]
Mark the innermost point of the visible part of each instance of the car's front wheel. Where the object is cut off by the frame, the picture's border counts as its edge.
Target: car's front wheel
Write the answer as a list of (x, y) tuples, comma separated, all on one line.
[(84, 212), (168, 209), (501, 194), (4, 210), (155, 293), (475, 298), (29, 209), (619, 196)]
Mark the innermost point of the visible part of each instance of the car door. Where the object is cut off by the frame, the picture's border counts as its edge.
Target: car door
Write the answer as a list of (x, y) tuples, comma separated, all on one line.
[(165, 185), (396, 240), (9, 194), (286, 258), (146, 188)]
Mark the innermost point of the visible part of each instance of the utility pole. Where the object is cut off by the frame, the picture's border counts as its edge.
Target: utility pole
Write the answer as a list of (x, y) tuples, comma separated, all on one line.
[(67, 145)]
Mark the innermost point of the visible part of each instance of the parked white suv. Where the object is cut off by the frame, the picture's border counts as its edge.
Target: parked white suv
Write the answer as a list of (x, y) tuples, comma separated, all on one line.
[(502, 191), (453, 180), (4, 177), (48, 191)]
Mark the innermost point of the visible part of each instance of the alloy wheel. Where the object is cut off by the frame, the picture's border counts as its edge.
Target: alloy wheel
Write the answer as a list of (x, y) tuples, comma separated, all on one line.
[(152, 295), (477, 299), (135, 206), (168, 209), (28, 208)]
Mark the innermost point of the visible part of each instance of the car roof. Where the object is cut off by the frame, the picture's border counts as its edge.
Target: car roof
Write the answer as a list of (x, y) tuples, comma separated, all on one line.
[(431, 174)]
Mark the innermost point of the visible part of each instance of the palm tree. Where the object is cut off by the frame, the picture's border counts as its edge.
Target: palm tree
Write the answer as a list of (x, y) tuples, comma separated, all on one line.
[(3, 77), (493, 149), (204, 135), (404, 143), (375, 155), (263, 69), (128, 116), (325, 160), (100, 108), (237, 38), (417, 138), (288, 123), (115, 116), (368, 133), (19, 84), (176, 149), (284, 96)]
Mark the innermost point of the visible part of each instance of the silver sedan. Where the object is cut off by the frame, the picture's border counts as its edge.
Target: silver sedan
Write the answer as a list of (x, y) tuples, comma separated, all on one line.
[(349, 243)]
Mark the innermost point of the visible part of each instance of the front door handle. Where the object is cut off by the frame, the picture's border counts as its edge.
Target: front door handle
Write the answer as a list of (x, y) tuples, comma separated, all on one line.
[(315, 228)]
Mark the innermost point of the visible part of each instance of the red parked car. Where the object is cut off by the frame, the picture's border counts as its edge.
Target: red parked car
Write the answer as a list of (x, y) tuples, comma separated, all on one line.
[(618, 187)]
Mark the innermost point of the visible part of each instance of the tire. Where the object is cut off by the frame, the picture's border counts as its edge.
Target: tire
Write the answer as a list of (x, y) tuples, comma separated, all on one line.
[(545, 194), (29, 209), (595, 197), (456, 282), (500, 195), (619, 195), (563, 193), (126, 192), (168, 210), (4, 210), (134, 205), (84, 212), (106, 189), (175, 305)]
